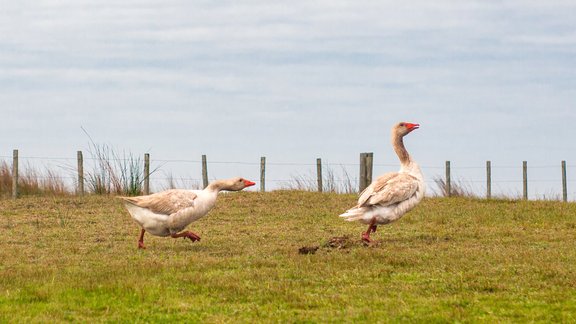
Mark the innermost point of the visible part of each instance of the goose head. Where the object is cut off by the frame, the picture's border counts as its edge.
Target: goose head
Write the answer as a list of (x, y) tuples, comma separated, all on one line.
[(234, 184), (403, 128)]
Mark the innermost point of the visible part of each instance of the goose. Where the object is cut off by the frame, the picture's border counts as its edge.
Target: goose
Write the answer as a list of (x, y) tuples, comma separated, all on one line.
[(167, 213), (393, 194)]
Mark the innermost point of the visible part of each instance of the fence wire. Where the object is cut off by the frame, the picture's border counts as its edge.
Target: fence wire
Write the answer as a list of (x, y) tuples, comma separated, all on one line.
[(299, 171)]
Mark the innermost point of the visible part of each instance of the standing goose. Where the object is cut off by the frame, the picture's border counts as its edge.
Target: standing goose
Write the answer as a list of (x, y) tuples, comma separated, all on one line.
[(167, 213), (392, 194)]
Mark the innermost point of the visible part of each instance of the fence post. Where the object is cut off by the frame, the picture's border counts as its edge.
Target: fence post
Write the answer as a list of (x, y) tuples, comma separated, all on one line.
[(319, 174), (369, 168), (204, 171), (362, 175), (525, 179), (263, 174), (564, 185), (366, 164), (14, 174), (488, 179), (146, 173), (80, 158), (448, 184)]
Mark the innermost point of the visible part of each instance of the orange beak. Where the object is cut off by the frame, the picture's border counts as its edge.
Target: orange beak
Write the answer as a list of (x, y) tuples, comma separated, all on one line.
[(412, 127), (249, 183)]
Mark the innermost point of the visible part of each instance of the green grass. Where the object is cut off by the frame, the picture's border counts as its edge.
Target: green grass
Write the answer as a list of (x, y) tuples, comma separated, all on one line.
[(449, 260)]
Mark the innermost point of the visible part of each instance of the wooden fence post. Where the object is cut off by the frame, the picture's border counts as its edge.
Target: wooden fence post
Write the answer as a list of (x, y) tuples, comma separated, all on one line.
[(146, 173), (448, 183), (488, 179), (80, 188), (362, 175), (369, 168), (525, 180), (366, 165), (564, 185), (14, 174), (263, 174), (204, 171), (319, 174)]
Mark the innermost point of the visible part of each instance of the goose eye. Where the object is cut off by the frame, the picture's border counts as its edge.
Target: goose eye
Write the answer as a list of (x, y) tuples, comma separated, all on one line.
[(402, 124)]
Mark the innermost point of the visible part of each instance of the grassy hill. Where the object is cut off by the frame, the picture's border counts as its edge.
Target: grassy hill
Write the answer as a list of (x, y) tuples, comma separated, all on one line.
[(450, 259)]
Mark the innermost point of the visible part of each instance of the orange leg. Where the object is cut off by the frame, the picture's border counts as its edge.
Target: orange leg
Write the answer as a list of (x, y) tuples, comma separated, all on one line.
[(371, 229), (141, 240), (193, 237)]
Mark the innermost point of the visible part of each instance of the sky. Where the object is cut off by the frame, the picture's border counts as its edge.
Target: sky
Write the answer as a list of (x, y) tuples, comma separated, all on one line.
[(295, 81)]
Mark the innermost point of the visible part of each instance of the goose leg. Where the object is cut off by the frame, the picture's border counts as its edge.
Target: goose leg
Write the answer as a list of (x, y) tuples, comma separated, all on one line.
[(141, 240), (187, 234), (371, 229)]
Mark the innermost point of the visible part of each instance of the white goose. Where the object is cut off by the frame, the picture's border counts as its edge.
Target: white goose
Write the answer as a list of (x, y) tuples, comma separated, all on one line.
[(167, 213), (392, 194)]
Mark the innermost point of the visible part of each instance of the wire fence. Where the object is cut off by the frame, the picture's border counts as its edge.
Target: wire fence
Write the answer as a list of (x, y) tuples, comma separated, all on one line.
[(545, 181)]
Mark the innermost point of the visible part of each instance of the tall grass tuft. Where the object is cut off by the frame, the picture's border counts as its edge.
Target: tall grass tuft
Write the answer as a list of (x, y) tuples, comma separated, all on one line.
[(34, 182), (54, 184), (5, 179), (457, 188), (344, 185), (31, 181), (330, 182), (114, 173), (301, 182), (182, 183)]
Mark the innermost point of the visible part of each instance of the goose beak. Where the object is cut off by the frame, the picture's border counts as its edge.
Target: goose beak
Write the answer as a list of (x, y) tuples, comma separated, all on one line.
[(412, 127), (248, 183)]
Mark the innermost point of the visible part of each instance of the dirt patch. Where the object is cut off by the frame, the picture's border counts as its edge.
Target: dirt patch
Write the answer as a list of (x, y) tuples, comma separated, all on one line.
[(336, 243), (308, 249), (340, 242)]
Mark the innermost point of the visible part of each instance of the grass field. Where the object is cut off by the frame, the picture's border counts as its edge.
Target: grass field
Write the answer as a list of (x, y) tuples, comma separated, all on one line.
[(450, 259)]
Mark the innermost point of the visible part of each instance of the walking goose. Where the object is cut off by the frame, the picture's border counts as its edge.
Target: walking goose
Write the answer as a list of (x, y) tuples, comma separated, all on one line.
[(393, 194), (167, 213)]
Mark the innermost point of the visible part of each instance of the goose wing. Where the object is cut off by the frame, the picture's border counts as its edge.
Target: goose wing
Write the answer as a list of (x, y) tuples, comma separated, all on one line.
[(389, 189), (166, 202)]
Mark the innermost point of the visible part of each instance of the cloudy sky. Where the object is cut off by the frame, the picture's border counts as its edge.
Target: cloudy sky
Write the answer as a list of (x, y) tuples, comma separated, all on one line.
[(296, 80)]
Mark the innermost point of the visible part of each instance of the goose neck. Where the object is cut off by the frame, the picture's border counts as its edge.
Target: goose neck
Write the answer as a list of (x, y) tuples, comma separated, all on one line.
[(400, 149)]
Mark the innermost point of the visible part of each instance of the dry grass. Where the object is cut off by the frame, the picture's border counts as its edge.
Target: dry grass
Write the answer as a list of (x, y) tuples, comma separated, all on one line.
[(457, 188), (112, 173), (69, 259), (5, 179), (179, 183), (32, 182), (331, 182)]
